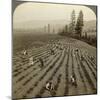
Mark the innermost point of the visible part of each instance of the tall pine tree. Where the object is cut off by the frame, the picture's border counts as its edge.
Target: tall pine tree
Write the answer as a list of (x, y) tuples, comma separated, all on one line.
[(72, 23), (79, 24)]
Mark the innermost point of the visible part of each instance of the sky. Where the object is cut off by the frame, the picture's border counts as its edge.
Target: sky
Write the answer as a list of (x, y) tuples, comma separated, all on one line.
[(46, 11)]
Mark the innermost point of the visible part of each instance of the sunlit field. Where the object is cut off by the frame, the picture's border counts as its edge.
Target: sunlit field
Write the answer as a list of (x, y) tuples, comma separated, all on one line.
[(62, 57)]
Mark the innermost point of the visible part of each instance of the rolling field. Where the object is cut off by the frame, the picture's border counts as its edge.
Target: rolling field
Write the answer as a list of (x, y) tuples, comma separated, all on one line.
[(29, 81)]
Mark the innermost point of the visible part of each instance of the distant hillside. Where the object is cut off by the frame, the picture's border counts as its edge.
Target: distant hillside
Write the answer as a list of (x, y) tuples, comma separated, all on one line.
[(54, 24), (89, 25), (39, 23)]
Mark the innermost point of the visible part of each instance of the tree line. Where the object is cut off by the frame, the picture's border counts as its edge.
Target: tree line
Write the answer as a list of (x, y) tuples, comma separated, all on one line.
[(75, 27)]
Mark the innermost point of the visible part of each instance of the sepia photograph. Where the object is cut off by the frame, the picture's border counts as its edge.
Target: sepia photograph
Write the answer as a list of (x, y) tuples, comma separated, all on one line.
[(54, 49)]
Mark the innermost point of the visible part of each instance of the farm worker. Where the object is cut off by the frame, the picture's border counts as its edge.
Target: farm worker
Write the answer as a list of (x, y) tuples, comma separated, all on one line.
[(49, 86), (82, 57), (92, 58), (25, 52), (52, 51), (56, 46), (61, 48), (41, 62), (73, 80), (76, 50), (31, 61)]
